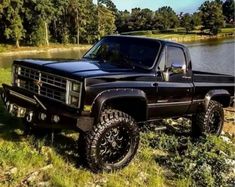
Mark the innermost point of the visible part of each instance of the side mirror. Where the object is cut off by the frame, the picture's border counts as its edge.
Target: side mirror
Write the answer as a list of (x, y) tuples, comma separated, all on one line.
[(178, 68), (175, 68)]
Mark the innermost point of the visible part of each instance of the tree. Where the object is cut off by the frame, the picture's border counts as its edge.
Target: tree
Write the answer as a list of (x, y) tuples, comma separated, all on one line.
[(106, 21), (137, 19), (123, 21), (59, 25), (14, 24), (90, 32), (45, 12), (196, 18), (147, 16), (187, 22), (77, 10), (110, 5), (229, 10), (107, 12), (212, 16), (166, 18)]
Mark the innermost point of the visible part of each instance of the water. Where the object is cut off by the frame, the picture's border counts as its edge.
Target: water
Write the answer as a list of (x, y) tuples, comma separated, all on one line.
[(211, 56), (6, 61), (214, 56)]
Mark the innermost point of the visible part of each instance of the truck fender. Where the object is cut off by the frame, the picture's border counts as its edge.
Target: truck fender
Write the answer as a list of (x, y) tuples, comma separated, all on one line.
[(222, 96), (122, 97)]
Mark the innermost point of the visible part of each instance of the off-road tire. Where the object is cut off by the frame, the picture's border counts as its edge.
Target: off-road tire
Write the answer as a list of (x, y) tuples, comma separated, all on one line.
[(201, 122), (117, 121)]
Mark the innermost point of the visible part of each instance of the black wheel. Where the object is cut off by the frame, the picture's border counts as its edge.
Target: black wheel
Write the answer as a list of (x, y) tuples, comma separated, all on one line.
[(209, 122), (113, 142)]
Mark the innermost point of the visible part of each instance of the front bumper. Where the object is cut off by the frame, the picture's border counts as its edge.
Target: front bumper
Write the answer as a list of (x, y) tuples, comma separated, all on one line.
[(44, 112)]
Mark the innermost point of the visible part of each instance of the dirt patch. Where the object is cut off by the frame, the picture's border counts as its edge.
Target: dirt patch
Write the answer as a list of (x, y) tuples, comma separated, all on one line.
[(229, 125)]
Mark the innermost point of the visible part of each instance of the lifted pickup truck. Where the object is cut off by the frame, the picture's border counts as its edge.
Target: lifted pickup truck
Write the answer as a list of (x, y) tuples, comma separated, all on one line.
[(121, 83)]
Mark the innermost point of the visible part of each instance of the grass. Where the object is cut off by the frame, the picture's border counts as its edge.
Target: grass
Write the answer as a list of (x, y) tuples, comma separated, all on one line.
[(179, 34), (5, 76), (163, 159), (12, 48)]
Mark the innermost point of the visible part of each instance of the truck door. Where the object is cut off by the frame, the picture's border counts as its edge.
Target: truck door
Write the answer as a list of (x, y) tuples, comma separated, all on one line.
[(174, 83)]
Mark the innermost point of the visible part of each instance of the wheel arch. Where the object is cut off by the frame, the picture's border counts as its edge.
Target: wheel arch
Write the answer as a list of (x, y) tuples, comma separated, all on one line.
[(222, 96), (130, 101)]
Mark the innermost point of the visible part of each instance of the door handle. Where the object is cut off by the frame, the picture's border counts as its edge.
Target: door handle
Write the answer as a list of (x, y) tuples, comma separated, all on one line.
[(155, 84), (186, 77)]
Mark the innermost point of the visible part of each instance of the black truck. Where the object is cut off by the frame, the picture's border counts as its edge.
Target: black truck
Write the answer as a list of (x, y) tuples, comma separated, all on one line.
[(119, 85)]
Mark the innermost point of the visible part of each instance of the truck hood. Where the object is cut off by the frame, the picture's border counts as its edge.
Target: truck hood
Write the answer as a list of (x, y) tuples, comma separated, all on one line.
[(81, 68)]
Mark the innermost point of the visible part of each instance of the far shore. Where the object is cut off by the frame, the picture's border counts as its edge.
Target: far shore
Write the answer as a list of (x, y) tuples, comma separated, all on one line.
[(187, 38), (8, 50), (34, 50)]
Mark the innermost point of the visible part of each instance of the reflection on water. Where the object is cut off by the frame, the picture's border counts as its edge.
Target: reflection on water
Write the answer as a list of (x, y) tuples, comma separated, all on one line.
[(6, 61), (212, 56)]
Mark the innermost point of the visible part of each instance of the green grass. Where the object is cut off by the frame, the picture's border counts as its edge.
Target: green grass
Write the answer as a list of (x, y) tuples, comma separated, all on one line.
[(163, 159), (13, 48), (179, 34), (5, 76)]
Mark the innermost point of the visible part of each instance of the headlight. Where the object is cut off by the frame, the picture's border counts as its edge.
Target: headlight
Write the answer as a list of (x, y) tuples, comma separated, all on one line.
[(73, 93), (75, 87), (16, 70)]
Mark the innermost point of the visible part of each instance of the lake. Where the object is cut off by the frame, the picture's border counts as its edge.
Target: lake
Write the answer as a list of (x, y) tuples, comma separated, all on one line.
[(212, 56)]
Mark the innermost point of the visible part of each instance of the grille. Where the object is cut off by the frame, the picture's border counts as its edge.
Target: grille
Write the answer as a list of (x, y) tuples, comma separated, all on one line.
[(42, 83)]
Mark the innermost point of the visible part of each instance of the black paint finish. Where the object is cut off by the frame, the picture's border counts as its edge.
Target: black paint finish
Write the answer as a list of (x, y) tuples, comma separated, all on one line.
[(143, 93)]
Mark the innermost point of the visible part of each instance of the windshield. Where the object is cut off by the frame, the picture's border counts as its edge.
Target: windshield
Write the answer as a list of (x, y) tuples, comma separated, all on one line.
[(140, 52)]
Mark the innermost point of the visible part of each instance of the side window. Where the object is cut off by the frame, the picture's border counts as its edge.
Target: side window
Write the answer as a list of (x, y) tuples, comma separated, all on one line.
[(175, 55), (162, 63)]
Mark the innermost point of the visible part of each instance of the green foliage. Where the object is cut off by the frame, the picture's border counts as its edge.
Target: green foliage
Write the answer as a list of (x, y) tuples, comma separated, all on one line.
[(212, 16), (38, 34), (145, 19), (196, 18), (187, 22), (82, 21), (106, 23), (166, 18), (11, 12), (205, 162), (5, 76), (229, 10), (109, 4)]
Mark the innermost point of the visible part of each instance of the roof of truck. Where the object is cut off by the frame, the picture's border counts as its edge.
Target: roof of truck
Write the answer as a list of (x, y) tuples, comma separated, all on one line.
[(147, 38)]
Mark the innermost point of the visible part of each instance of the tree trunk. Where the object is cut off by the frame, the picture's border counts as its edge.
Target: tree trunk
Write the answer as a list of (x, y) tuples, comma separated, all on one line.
[(78, 27), (46, 34), (17, 43), (98, 26), (78, 35)]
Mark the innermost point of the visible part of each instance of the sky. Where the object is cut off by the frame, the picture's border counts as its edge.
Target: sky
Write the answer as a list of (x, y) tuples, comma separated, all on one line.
[(189, 6)]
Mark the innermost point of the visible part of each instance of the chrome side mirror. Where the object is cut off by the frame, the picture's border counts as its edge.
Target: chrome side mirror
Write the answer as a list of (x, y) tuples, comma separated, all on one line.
[(178, 68), (174, 69)]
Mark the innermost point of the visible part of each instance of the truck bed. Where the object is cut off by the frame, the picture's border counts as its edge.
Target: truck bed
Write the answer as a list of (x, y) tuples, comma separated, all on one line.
[(204, 81)]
